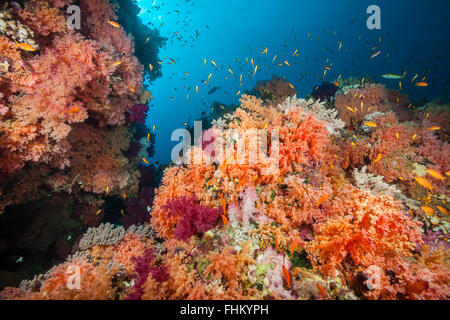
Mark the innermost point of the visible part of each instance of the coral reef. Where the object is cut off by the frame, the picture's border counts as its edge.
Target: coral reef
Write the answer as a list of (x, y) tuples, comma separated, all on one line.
[(343, 195), (334, 222)]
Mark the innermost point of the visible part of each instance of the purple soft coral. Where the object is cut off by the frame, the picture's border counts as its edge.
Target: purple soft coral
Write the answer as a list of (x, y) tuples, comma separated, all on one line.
[(194, 218), (144, 268), (139, 113)]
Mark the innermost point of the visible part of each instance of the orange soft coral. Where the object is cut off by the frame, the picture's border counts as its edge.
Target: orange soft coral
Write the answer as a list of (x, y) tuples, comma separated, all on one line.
[(369, 229)]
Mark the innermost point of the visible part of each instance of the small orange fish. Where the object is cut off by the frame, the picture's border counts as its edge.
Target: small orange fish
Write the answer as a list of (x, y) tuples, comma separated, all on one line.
[(293, 247), (151, 66), (328, 68), (240, 184), (277, 245), (421, 84), (370, 124), (413, 136), (224, 204), (73, 110), (435, 174), (286, 63), (377, 158), (116, 63), (25, 46), (286, 275), (196, 89), (114, 24), (225, 221), (427, 210), (124, 195), (132, 89), (424, 182), (322, 199), (214, 63), (145, 160), (323, 294), (433, 128), (442, 210)]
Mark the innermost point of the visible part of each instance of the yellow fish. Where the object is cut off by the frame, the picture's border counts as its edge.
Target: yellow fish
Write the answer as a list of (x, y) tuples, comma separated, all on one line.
[(237, 93), (435, 174), (290, 85), (209, 76), (98, 212), (196, 88), (351, 109), (154, 126), (396, 135), (427, 210), (25, 46), (214, 63), (151, 66), (287, 63), (107, 190), (256, 68), (204, 61), (424, 182), (265, 126), (264, 51), (400, 85), (145, 160), (116, 63), (231, 71), (148, 136), (340, 46), (413, 136), (146, 40), (433, 128), (251, 61), (414, 78), (123, 213), (377, 158), (295, 52), (114, 24), (442, 210)]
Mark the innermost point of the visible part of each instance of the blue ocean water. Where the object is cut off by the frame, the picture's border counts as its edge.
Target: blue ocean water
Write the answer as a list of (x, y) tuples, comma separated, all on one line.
[(412, 39)]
